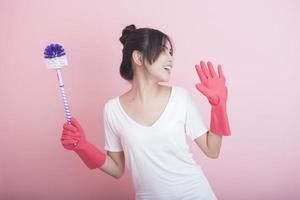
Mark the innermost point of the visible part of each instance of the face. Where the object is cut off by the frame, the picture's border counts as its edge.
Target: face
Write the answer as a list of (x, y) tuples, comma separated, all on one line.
[(160, 70)]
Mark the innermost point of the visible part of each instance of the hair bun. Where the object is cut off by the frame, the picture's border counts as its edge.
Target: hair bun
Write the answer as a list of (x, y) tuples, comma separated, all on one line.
[(126, 31)]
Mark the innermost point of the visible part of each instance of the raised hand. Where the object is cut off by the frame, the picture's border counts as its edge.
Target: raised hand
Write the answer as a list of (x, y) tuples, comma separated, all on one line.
[(212, 85)]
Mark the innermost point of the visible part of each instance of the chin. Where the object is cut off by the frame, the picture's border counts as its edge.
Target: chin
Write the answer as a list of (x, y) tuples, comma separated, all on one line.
[(165, 79)]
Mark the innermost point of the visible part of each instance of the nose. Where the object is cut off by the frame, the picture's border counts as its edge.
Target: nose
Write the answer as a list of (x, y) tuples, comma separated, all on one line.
[(170, 63)]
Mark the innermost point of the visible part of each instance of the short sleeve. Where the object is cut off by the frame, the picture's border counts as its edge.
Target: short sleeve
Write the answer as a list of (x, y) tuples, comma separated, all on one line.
[(194, 124), (112, 140)]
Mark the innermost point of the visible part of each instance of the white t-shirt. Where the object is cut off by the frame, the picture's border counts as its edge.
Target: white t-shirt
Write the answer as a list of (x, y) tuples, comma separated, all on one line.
[(158, 156)]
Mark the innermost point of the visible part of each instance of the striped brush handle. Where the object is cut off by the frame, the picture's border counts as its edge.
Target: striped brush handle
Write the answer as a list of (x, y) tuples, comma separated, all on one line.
[(64, 96)]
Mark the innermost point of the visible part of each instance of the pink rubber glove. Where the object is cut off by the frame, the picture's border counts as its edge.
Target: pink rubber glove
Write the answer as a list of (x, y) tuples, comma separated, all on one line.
[(73, 138), (213, 87)]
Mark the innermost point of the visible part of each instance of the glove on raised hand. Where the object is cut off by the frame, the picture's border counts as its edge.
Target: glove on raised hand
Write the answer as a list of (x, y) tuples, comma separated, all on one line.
[(213, 87)]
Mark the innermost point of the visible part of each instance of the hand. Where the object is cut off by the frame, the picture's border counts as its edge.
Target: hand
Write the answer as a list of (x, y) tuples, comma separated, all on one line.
[(72, 134), (212, 85), (73, 138)]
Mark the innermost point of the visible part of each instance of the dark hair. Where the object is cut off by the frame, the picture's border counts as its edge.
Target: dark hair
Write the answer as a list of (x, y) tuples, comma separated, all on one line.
[(150, 42)]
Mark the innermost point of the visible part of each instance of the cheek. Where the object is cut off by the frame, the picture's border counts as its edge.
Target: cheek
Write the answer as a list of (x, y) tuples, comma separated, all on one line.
[(159, 63), (156, 66)]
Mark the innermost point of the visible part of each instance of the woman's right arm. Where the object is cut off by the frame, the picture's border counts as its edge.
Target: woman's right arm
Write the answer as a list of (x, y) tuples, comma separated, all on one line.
[(114, 164), (73, 138)]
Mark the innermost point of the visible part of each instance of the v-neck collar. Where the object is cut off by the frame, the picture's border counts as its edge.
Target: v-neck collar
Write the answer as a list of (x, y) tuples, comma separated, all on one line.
[(157, 121)]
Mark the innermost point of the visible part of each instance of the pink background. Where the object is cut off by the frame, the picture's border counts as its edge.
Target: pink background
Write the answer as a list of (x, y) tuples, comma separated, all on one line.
[(257, 43)]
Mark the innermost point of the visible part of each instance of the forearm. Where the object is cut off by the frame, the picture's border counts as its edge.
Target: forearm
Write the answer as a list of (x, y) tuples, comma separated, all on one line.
[(214, 143), (110, 167)]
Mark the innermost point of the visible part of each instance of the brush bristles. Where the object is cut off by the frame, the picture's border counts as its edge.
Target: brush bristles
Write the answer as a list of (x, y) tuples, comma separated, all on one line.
[(57, 62)]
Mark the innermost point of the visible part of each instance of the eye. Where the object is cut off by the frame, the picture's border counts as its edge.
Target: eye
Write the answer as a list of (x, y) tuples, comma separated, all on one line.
[(166, 50)]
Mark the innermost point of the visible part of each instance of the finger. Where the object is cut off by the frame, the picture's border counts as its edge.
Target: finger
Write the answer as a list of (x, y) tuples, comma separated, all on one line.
[(70, 134), (204, 69), (76, 123), (220, 71), (200, 74), (69, 127), (211, 70), (69, 146), (67, 137), (68, 142)]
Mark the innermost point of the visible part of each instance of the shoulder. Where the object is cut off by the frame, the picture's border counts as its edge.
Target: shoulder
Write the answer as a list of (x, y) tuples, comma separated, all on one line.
[(110, 105), (185, 96), (181, 91)]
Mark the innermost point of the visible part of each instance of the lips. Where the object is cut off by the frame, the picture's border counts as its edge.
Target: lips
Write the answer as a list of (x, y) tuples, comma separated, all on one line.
[(168, 67)]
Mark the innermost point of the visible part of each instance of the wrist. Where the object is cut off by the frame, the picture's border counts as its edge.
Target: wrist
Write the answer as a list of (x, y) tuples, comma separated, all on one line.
[(89, 154), (219, 123)]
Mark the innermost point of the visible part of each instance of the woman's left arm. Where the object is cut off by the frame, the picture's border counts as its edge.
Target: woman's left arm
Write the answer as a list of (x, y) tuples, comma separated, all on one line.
[(213, 87), (214, 143), (210, 144)]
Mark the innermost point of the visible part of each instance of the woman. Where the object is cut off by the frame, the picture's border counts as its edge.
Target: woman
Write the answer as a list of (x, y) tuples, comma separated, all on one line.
[(146, 126)]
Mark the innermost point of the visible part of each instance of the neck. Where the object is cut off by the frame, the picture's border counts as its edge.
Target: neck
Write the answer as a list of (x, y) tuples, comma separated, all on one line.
[(144, 91)]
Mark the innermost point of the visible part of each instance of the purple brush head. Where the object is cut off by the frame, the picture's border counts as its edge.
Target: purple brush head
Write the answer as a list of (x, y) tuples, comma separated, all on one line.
[(55, 56), (54, 50)]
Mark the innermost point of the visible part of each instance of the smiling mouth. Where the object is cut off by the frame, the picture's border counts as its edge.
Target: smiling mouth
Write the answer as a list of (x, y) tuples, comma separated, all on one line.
[(168, 68)]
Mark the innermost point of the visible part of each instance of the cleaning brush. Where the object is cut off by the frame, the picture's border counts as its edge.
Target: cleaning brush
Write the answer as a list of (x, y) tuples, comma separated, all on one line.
[(56, 58)]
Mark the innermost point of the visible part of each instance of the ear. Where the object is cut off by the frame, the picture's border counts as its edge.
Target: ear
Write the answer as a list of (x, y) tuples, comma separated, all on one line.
[(137, 57)]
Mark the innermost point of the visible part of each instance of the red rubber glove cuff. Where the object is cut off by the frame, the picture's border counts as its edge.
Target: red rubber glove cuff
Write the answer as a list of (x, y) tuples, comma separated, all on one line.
[(219, 123)]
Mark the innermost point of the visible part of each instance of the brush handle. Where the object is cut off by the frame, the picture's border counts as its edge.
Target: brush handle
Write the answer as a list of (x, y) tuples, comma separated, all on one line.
[(64, 96)]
